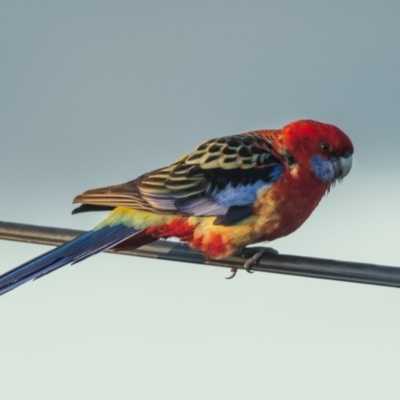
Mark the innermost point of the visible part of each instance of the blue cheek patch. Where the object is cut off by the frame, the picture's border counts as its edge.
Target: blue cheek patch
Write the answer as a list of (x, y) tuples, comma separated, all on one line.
[(326, 170)]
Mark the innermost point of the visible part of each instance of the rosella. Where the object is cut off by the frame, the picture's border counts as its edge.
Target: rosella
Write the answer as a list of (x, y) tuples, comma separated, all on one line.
[(230, 192)]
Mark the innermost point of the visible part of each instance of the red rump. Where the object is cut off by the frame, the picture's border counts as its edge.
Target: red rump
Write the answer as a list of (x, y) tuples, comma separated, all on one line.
[(177, 227)]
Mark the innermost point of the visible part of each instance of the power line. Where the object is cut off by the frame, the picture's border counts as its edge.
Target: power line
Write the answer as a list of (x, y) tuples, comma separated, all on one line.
[(168, 250)]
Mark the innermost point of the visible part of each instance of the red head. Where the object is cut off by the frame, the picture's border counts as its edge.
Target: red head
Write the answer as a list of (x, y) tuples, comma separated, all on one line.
[(323, 147)]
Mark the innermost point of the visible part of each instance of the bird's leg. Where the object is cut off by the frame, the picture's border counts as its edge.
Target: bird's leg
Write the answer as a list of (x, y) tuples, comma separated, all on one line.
[(253, 255), (256, 254)]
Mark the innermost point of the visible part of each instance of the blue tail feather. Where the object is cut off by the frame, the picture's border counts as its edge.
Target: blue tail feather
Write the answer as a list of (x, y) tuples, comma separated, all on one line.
[(77, 250)]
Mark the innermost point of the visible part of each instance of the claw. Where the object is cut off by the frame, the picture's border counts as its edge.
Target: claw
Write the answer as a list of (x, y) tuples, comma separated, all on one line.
[(233, 273), (253, 259), (256, 257)]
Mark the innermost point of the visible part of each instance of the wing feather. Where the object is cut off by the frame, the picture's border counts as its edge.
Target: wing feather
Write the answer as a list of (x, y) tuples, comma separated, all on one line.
[(221, 177)]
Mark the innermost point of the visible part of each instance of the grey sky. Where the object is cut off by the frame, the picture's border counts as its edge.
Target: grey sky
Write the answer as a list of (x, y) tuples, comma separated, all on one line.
[(96, 93)]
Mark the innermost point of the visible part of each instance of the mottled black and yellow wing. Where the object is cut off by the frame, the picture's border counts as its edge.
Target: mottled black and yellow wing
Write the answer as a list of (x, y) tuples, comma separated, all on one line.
[(220, 178)]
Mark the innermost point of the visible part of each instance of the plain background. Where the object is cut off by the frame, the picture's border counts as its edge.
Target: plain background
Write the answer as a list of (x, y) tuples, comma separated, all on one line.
[(94, 93)]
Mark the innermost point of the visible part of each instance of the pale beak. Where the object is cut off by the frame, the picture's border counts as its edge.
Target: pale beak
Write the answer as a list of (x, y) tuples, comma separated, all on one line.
[(345, 165)]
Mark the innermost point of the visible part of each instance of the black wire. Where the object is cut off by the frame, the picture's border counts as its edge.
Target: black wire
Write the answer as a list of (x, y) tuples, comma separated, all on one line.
[(270, 262)]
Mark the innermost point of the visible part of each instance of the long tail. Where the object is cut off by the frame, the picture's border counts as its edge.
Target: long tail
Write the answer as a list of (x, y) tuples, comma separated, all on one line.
[(78, 249)]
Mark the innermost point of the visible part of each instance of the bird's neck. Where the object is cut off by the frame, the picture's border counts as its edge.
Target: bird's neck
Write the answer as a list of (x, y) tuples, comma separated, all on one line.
[(291, 201)]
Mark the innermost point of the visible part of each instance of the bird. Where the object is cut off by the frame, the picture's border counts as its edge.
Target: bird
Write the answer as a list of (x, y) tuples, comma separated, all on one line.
[(228, 193)]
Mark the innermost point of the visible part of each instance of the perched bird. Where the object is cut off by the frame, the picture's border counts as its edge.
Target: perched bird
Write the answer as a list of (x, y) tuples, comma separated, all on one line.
[(230, 192)]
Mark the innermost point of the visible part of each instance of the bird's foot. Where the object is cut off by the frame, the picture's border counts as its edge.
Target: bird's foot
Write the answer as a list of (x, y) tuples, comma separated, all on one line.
[(253, 255)]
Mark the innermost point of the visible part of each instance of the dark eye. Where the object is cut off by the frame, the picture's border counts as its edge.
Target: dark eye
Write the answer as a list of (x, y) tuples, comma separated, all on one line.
[(325, 147)]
